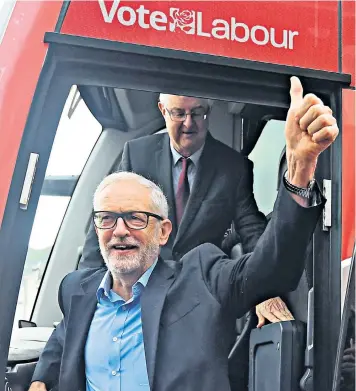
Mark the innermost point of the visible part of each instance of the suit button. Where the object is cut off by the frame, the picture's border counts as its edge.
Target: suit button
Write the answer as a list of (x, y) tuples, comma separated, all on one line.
[(114, 373)]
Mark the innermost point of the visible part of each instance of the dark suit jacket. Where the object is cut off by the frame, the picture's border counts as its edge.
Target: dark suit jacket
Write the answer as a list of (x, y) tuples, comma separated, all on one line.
[(222, 193), (188, 307)]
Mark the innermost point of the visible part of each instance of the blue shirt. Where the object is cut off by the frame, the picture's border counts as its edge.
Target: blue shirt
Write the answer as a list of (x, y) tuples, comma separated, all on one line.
[(177, 167), (114, 350)]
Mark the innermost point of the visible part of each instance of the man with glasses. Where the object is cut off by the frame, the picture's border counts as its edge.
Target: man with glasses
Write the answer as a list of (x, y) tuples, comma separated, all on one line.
[(144, 323)]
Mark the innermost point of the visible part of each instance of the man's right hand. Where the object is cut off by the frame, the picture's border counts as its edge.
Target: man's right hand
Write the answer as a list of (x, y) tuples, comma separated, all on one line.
[(37, 386)]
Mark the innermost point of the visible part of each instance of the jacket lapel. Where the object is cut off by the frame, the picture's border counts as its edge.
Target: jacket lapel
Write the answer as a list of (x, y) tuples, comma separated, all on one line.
[(152, 302), (82, 308), (163, 157), (203, 180)]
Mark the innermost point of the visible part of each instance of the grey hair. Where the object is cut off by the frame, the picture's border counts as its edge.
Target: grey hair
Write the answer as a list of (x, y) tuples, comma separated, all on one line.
[(163, 99), (159, 200)]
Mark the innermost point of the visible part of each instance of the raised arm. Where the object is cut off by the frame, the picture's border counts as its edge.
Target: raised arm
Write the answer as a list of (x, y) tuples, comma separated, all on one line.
[(273, 268), (276, 264)]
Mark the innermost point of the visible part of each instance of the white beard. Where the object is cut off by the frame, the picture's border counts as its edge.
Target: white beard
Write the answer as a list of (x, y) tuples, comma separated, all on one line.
[(126, 264)]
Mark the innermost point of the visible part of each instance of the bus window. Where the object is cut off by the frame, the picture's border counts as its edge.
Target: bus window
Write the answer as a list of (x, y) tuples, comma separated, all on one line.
[(265, 156), (76, 135)]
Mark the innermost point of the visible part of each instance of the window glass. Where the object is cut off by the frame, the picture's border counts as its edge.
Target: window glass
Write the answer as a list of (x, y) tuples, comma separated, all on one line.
[(77, 133), (76, 136), (265, 157)]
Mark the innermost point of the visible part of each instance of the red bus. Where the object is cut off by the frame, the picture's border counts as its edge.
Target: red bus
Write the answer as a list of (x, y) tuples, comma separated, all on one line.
[(80, 78)]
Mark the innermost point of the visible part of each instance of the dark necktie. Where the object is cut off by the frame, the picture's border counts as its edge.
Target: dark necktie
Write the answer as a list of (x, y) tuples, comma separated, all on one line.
[(182, 194)]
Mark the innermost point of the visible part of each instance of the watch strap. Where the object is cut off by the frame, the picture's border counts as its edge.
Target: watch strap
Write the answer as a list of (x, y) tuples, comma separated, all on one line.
[(305, 192)]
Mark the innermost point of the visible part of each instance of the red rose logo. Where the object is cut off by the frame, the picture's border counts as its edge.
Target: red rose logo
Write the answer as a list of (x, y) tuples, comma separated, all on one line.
[(184, 20)]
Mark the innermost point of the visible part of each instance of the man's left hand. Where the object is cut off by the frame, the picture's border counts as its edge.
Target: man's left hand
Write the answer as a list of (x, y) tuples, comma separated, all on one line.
[(274, 310)]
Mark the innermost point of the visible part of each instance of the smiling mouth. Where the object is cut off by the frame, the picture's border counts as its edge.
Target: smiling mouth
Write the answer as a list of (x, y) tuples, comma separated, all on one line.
[(124, 247)]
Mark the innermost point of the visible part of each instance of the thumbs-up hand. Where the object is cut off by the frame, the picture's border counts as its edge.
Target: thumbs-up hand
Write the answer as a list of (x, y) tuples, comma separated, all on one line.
[(310, 129)]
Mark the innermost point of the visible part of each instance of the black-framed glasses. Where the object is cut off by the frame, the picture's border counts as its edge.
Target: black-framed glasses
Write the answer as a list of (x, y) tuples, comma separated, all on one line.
[(133, 219), (180, 115)]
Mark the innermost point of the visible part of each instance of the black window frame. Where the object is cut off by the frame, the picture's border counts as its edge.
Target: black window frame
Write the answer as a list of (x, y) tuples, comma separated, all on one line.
[(85, 61)]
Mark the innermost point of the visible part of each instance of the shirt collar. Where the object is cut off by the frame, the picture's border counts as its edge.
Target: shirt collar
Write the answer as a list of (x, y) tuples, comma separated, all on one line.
[(194, 158), (106, 282)]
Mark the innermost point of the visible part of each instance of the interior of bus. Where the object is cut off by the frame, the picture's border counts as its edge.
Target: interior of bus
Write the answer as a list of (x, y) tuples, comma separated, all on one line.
[(84, 138)]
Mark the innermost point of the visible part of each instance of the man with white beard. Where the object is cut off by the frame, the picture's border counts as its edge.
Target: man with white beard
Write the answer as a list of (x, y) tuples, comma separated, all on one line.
[(128, 249)]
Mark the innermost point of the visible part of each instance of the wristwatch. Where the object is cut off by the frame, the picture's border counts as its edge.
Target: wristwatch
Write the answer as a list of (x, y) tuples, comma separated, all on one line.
[(306, 192)]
